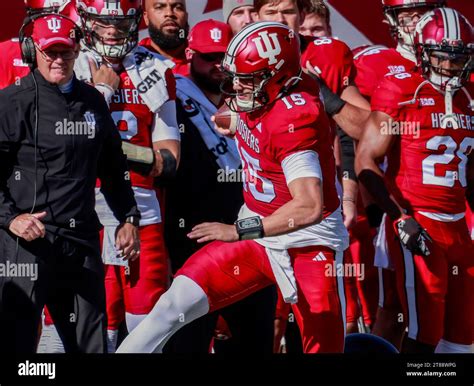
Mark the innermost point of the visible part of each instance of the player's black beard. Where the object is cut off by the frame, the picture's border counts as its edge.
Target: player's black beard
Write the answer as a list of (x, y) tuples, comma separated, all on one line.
[(204, 82), (167, 42)]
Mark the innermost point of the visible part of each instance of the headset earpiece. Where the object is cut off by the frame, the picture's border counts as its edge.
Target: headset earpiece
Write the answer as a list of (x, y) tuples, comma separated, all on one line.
[(28, 51)]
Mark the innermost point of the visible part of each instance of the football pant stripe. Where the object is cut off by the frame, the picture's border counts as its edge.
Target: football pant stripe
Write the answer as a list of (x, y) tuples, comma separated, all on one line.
[(410, 290)]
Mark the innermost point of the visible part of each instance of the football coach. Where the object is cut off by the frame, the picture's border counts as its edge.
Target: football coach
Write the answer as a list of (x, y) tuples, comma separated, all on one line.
[(56, 138)]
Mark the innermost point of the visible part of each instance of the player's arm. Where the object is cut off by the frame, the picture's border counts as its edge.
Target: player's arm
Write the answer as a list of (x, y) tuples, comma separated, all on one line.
[(162, 160), (304, 209), (353, 115), (350, 185), (304, 179), (470, 181), (166, 142), (371, 149)]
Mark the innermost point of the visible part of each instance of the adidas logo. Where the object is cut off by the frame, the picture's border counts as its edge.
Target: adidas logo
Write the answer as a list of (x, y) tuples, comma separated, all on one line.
[(320, 257)]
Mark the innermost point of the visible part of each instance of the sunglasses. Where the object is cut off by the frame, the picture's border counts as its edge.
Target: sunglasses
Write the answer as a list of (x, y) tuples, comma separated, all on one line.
[(214, 57)]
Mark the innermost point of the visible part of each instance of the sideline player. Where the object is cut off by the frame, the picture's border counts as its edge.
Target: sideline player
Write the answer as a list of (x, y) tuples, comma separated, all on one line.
[(373, 63), (144, 110), (424, 124), (167, 22)]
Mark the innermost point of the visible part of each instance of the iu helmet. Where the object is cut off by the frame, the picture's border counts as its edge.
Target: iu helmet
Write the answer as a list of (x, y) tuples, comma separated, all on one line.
[(98, 16), (440, 35), (391, 8), (45, 6), (267, 55)]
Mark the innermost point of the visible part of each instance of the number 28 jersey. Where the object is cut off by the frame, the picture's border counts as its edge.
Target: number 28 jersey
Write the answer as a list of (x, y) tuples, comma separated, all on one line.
[(427, 164), (295, 123)]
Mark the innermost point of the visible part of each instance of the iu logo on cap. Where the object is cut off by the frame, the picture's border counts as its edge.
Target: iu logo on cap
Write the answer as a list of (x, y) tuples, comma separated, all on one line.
[(216, 35), (54, 24)]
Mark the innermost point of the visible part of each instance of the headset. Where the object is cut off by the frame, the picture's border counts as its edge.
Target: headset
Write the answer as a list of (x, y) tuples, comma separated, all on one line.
[(28, 49)]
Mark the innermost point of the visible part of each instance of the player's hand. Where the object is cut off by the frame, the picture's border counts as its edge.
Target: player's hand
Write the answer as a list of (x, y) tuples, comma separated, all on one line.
[(349, 211), (279, 330), (221, 130), (309, 69), (127, 241), (209, 231), (157, 168), (28, 226), (104, 74), (412, 235)]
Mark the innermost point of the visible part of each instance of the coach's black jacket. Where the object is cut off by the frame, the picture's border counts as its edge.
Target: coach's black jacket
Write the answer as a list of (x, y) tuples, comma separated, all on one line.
[(70, 156)]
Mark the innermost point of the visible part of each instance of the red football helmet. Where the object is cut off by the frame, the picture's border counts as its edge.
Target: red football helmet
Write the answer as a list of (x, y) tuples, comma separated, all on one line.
[(98, 15), (266, 53), (444, 34), (391, 8), (45, 6)]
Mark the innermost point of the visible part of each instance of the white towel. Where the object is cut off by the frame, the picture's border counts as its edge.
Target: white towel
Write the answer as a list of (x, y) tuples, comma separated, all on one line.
[(145, 69), (147, 73), (201, 110), (280, 262)]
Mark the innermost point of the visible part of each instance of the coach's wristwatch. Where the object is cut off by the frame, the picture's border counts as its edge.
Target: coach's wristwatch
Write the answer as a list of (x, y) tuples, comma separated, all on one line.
[(134, 220), (249, 228)]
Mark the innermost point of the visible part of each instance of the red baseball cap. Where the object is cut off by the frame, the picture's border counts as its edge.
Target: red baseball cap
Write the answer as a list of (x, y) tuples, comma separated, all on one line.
[(210, 36), (54, 29)]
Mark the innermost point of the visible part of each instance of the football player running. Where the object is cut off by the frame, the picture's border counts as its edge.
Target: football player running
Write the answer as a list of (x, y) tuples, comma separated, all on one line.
[(424, 123), (373, 63), (286, 232), (142, 104)]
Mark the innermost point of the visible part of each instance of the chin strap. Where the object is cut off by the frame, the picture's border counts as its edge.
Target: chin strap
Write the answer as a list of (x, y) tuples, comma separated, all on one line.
[(415, 96), (448, 103)]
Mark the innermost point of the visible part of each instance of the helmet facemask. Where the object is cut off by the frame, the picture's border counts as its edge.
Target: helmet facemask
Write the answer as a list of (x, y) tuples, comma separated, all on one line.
[(251, 99), (432, 58), (405, 39), (127, 28)]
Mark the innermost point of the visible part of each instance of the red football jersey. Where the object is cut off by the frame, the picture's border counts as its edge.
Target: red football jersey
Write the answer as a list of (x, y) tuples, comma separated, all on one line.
[(11, 65), (265, 138), (135, 120), (181, 64), (427, 164), (373, 63), (332, 59)]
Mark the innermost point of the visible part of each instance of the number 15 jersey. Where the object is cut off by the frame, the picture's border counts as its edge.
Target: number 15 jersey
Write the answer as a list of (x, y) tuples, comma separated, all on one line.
[(427, 163), (267, 138)]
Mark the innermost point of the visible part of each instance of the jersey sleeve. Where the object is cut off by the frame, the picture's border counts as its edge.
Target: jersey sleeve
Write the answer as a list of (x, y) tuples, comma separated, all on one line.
[(388, 95), (333, 61), (366, 78), (165, 125)]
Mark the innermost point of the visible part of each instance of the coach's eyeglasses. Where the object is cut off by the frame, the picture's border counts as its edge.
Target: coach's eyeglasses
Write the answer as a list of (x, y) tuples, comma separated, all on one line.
[(52, 55)]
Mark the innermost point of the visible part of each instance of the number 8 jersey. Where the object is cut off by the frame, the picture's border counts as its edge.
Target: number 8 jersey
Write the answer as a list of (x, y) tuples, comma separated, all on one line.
[(427, 162)]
